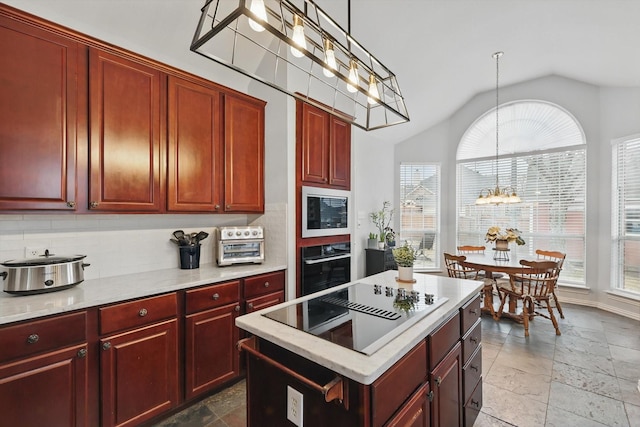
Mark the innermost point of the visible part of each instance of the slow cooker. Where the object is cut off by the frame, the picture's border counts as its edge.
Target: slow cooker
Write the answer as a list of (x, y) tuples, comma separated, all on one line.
[(43, 274)]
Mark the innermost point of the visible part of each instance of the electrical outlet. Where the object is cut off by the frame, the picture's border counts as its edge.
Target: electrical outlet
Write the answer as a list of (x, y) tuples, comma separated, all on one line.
[(294, 406), (31, 252)]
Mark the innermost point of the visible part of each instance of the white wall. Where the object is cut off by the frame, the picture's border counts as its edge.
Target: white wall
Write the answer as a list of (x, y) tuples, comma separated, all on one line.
[(603, 113)]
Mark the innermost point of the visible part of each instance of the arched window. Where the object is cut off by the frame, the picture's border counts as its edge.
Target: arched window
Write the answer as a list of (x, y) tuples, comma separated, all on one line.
[(542, 154)]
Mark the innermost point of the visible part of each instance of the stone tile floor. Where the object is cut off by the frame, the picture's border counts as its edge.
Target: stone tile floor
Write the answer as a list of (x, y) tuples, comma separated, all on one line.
[(586, 377)]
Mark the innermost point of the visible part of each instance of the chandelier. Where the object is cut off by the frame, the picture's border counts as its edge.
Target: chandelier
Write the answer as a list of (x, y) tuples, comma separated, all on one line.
[(497, 196), (303, 53)]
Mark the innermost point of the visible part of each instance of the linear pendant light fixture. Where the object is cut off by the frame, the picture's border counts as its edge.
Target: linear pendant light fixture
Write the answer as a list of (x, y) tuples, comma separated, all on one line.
[(296, 48), (497, 196)]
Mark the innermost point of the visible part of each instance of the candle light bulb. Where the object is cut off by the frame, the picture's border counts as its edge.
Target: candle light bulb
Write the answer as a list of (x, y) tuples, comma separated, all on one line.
[(329, 59), (298, 37), (374, 96), (353, 77), (257, 7)]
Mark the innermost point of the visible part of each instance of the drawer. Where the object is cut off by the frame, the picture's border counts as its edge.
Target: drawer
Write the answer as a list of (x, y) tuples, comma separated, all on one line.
[(137, 313), (394, 387), (264, 301), (212, 296), (471, 341), (263, 284), (443, 339), (471, 373), (472, 406), (470, 314), (42, 335)]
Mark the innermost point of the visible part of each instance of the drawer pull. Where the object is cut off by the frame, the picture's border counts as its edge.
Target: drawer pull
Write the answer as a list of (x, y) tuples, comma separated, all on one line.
[(473, 368), (250, 306), (143, 312), (237, 308), (266, 284), (475, 403), (32, 339), (473, 340), (106, 345), (82, 353), (474, 311), (215, 296)]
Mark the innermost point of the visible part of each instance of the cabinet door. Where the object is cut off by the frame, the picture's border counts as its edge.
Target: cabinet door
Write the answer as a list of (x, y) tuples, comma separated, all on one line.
[(211, 357), (315, 145), (414, 413), (339, 153), (244, 155), (139, 374), (195, 148), (38, 107), (46, 390), (446, 384), (124, 98)]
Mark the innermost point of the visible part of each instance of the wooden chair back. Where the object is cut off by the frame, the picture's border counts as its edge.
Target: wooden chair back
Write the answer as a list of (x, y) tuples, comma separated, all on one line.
[(468, 249), (551, 256), (455, 268), (538, 278)]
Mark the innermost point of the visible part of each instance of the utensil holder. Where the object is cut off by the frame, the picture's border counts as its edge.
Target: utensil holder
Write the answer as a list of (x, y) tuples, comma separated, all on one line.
[(189, 257)]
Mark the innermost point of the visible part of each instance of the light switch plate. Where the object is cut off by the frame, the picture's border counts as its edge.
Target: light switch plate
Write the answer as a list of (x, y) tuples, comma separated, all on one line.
[(294, 406)]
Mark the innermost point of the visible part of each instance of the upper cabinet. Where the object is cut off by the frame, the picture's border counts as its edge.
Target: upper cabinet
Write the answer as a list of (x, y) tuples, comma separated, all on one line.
[(325, 148), (38, 106), (194, 166), (243, 154), (124, 141)]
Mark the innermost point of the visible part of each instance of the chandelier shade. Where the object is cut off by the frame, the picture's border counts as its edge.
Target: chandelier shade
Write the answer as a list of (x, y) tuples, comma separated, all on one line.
[(302, 52), (497, 195)]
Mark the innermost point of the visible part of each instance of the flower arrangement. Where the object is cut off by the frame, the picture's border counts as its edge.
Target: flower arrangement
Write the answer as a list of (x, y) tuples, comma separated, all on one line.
[(510, 235), (404, 255), (382, 219)]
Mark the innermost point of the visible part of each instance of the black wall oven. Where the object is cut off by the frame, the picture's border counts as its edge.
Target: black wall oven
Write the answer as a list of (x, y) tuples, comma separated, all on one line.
[(324, 267)]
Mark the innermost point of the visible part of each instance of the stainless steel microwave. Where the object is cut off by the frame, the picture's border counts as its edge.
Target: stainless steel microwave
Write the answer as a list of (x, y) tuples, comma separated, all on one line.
[(325, 212)]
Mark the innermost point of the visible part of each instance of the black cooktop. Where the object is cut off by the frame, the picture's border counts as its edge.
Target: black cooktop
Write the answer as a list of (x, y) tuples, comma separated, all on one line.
[(364, 317)]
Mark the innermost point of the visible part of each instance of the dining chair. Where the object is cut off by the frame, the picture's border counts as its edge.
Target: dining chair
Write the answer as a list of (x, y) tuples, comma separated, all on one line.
[(558, 257), (470, 249), (457, 270), (533, 286)]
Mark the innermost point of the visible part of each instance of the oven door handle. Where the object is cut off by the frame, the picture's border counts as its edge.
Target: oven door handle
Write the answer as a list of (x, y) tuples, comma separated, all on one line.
[(331, 258)]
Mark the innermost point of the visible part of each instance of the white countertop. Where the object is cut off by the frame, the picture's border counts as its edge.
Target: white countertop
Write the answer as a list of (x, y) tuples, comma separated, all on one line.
[(349, 363), (91, 293)]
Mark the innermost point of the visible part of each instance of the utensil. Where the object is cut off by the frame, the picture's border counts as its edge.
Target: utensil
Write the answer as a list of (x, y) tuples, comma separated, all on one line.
[(178, 234), (175, 241), (201, 236)]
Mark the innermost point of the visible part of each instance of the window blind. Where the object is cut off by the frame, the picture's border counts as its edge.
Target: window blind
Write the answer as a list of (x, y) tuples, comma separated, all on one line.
[(420, 212), (626, 215), (552, 186)]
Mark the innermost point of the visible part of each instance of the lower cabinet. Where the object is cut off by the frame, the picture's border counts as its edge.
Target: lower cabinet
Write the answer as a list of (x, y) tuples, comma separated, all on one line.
[(446, 383), (45, 390), (416, 412)]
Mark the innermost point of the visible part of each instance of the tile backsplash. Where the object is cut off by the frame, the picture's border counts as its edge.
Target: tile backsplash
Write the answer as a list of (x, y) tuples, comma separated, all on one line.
[(125, 244)]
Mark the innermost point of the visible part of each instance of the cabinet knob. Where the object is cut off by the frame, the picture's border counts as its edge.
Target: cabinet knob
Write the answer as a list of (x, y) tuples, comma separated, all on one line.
[(217, 207), (237, 308), (438, 381), (250, 306), (228, 206), (106, 345), (473, 340), (266, 284), (71, 204), (33, 338), (93, 205), (215, 296), (82, 353), (143, 312)]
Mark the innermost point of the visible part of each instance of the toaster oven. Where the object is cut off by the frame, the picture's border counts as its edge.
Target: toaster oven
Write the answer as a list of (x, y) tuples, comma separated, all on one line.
[(240, 245)]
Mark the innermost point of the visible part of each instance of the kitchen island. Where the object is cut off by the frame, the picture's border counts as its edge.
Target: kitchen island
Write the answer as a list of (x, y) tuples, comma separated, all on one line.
[(428, 373)]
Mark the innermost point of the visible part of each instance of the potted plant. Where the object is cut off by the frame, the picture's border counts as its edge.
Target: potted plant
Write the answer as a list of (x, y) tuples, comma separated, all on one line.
[(405, 256), (502, 240), (390, 237), (382, 219), (372, 243)]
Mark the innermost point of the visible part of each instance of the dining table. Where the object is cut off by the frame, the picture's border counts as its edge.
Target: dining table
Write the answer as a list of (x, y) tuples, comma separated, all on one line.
[(487, 263)]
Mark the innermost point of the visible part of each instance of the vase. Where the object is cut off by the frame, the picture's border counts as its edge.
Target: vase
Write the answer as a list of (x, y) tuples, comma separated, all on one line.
[(380, 245), (502, 245), (501, 251), (372, 243), (405, 274)]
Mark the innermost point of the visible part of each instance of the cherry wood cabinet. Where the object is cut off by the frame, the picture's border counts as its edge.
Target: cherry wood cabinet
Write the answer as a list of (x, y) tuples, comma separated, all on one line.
[(446, 383), (324, 148), (243, 154), (44, 376), (211, 358), (38, 106), (125, 134), (416, 412), (195, 157), (139, 365)]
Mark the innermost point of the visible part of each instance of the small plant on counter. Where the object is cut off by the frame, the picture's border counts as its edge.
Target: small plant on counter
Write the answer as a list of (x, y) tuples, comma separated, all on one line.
[(382, 219), (373, 236), (405, 255)]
